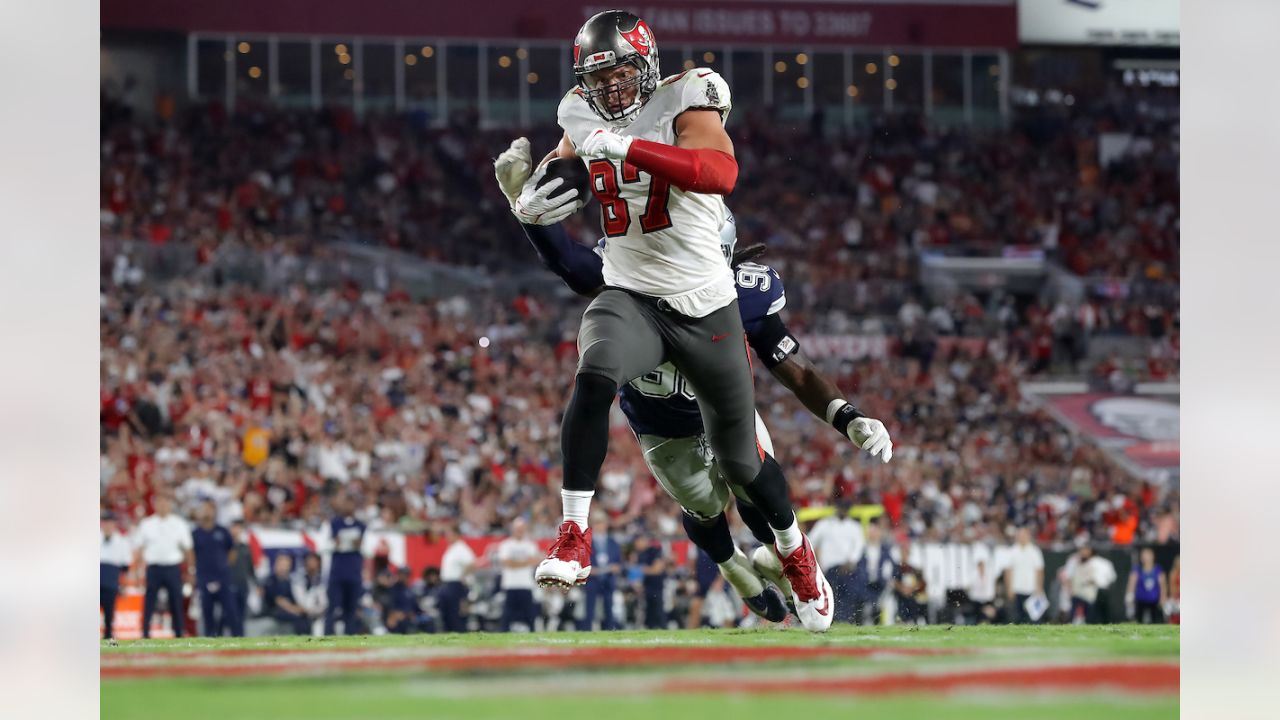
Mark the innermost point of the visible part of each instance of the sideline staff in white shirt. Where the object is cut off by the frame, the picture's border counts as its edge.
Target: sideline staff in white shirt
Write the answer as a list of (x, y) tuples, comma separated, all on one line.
[(164, 542), (1025, 576), (114, 555), (518, 555), (838, 542), (454, 567)]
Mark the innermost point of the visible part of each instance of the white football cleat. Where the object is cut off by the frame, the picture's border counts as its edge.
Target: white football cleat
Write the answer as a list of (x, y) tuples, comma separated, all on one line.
[(815, 604)]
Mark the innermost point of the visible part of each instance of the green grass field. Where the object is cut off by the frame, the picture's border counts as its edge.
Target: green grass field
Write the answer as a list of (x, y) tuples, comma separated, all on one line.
[(935, 672)]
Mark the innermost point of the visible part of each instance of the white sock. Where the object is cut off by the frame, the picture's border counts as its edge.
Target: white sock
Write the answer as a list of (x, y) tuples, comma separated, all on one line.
[(577, 506), (789, 539), (738, 571)]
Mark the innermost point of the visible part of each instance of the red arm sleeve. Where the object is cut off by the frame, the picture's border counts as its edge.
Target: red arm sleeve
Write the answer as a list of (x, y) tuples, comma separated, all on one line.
[(701, 170)]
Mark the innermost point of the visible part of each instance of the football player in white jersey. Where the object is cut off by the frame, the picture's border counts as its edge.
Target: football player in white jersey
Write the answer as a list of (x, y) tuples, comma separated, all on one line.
[(660, 163)]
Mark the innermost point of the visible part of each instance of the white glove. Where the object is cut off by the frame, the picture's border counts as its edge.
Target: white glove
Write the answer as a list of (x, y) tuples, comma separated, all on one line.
[(536, 206), (512, 169), (603, 143), (871, 435)]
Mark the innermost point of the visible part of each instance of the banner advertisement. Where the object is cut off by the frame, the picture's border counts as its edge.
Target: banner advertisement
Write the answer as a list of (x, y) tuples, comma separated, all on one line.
[(849, 347), (1141, 432), (1099, 22), (924, 23)]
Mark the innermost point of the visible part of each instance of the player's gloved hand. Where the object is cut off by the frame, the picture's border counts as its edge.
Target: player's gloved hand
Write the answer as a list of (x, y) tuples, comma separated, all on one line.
[(604, 143), (546, 205), (512, 169), (871, 435)]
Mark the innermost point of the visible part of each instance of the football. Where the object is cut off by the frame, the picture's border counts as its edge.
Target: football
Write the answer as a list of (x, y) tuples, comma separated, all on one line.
[(574, 173)]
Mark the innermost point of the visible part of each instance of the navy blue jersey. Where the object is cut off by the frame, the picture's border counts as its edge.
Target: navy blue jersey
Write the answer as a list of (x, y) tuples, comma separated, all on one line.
[(1147, 589), (276, 587), (347, 534), (211, 548), (647, 557), (661, 402)]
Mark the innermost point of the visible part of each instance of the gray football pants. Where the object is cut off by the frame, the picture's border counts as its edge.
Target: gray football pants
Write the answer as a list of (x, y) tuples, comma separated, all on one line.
[(625, 335)]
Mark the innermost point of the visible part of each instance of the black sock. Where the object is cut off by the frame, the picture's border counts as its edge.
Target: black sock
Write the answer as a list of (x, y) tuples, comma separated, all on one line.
[(768, 492), (584, 433), (713, 537), (754, 520)]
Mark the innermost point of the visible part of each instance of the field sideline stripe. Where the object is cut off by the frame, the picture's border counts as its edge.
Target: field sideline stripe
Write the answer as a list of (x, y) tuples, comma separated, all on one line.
[(1129, 677), (279, 663)]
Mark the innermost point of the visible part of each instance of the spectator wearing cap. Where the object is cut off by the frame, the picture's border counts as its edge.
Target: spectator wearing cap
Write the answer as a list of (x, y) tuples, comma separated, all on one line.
[(113, 558), (838, 542), (603, 582), (345, 538), (164, 542), (1024, 576), (213, 546), (455, 566), (517, 556)]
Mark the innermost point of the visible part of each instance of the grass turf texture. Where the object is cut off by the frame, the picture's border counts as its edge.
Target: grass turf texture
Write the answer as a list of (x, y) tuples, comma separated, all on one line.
[(877, 672)]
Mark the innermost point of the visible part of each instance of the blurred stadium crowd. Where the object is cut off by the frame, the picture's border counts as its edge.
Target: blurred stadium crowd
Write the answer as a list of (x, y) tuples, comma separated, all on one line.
[(266, 401)]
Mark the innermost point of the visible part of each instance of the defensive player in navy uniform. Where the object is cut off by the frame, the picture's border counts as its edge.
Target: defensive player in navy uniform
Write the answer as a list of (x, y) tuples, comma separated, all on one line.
[(666, 419), (345, 536), (212, 546)]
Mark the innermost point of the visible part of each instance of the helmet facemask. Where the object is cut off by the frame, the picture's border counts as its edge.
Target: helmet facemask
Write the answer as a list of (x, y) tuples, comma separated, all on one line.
[(607, 96)]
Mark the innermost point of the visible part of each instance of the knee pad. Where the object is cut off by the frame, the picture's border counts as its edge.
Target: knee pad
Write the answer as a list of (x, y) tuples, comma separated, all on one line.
[(594, 387)]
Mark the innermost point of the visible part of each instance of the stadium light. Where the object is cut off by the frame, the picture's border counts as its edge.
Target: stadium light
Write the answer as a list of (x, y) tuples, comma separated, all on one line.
[(802, 82), (871, 68), (801, 58), (521, 53), (708, 57), (532, 78), (345, 59), (504, 61), (339, 49), (891, 84), (851, 91), (780, 66), (894, 60), (689, 65), (428, 51), (255, 72), (410, 59), (244, 47)]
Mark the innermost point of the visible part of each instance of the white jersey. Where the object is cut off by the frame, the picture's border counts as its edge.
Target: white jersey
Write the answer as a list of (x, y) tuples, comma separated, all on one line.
[(659, 240)]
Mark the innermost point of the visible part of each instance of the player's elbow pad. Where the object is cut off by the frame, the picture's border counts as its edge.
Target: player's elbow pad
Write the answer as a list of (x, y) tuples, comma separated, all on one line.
[(700, 170)]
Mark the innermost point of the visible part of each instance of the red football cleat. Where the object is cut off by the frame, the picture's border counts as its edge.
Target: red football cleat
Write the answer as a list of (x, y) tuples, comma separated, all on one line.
[(569, 561), (809, 588)]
